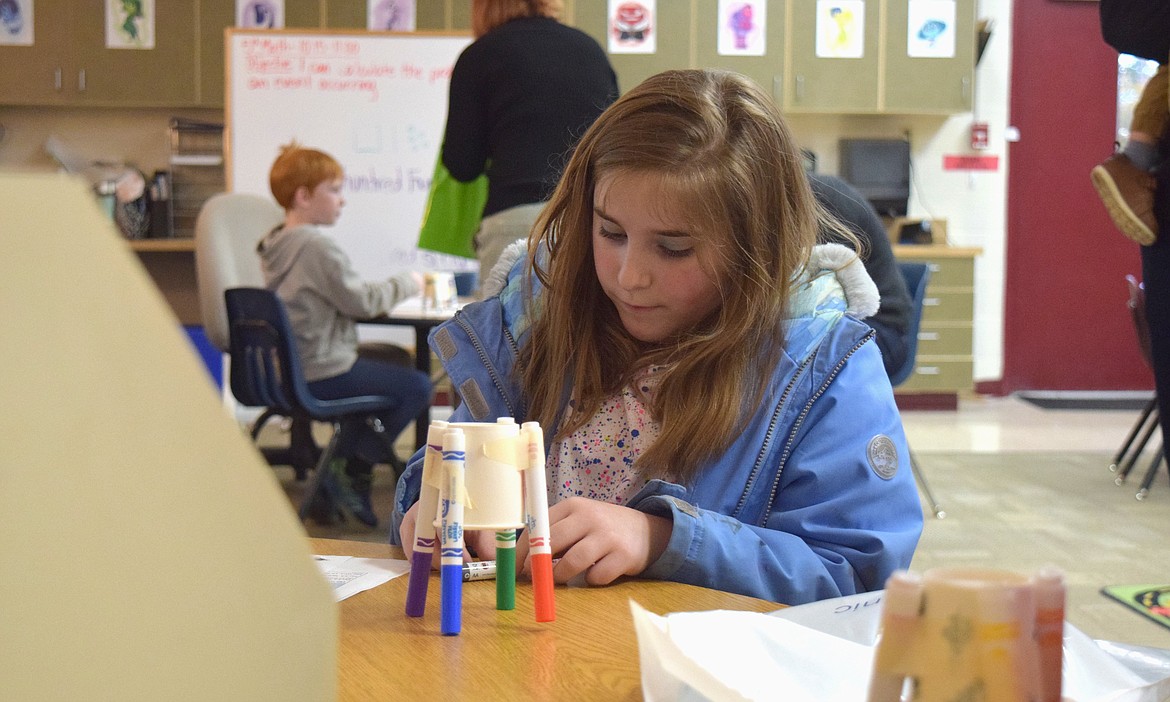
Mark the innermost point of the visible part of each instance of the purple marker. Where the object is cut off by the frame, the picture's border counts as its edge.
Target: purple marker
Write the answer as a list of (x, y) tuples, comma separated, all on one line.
[(424, 526), (451, 529)]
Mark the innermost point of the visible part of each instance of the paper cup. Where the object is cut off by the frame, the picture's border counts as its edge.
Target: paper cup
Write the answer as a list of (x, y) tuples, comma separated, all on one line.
[(495, 456), (439, 291)]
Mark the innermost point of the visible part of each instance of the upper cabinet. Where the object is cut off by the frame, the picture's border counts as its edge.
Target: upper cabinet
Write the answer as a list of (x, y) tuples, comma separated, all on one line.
[(851, 56), (836, 62), (766, 68), (69, 62), (925, 74)]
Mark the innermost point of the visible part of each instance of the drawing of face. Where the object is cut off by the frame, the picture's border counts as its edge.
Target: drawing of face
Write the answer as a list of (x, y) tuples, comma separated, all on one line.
[(649, 261), (10, 17)]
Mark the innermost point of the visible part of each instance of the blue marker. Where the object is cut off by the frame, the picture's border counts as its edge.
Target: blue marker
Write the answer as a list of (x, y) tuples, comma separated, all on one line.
[(451, 524)]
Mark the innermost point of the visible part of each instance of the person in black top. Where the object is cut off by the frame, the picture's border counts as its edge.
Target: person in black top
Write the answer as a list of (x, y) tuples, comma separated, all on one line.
[(892, 321), (521, 95)]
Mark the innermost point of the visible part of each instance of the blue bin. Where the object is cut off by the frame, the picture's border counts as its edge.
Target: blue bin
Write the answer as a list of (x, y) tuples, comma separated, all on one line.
[(211, 356)]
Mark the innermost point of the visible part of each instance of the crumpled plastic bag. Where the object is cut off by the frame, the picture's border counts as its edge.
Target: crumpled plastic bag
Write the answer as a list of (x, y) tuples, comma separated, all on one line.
[(823, 652)]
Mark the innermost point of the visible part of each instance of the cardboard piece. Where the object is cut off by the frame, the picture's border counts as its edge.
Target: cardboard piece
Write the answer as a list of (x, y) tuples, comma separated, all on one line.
[(150, 553)]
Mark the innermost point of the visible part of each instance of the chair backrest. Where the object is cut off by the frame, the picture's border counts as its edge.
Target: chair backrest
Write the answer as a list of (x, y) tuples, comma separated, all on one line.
[(265, 369), (226, 232), (916, 275), (1137, 311)]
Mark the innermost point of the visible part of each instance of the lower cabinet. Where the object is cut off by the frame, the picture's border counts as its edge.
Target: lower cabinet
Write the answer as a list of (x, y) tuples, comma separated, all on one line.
[(945, 359)]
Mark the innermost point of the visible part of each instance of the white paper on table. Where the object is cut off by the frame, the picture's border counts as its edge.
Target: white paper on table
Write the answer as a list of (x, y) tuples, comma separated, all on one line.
[(823, 651), (350, 575)]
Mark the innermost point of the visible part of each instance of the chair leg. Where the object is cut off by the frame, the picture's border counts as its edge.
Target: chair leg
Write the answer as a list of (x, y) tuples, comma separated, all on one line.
[(302, 452), (396, 463), (920, 478), (1137, 427), (1151, 473), (1136, 452), (320, 473)]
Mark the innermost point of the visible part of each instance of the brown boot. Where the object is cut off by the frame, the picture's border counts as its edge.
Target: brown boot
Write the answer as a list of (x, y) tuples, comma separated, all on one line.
[(1128, 194)]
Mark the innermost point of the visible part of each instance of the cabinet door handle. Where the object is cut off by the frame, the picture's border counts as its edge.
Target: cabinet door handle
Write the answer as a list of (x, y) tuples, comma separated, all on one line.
[(930, 302), (81, 80), (57, 78), (927, 370), (927, 336), (799, 87), (965, 89)]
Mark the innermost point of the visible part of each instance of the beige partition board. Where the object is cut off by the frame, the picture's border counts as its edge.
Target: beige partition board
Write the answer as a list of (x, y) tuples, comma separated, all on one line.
[(149, 553)]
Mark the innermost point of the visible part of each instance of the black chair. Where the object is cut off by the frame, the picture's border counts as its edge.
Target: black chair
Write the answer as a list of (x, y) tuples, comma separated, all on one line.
[(266, 372), (226, 231), (1147, 423), (916, 275)]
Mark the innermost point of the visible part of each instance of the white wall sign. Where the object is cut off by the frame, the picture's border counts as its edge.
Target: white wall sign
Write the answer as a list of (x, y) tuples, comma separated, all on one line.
[(742, 27), (840, 28), (633, 26), (16, 22), (260, 14), (390, 15), (129, 24), (931, 30)]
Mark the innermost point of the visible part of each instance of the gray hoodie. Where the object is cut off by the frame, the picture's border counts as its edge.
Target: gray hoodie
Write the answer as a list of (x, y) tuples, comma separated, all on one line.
[(324, 295)]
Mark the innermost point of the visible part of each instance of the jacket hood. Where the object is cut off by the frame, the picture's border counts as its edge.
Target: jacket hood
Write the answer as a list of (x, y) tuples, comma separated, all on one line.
[(279, 249)]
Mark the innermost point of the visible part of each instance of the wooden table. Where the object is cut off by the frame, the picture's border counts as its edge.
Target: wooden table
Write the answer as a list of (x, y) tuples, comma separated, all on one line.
[(589, 653)]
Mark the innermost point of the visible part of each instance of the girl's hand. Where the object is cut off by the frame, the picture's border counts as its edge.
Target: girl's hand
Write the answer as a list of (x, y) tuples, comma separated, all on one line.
[(602, 540), (482, 543)]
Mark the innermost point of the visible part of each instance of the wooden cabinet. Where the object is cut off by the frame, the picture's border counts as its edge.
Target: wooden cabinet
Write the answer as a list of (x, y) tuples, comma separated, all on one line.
[(69, 64), (945, 358)]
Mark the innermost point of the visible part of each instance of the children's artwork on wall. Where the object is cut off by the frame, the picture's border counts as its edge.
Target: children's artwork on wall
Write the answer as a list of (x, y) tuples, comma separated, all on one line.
[(931, 30), (129, 24), (16, 22), (840, 28), (260, 14), (390, 15), (742, 27), (632, 26)]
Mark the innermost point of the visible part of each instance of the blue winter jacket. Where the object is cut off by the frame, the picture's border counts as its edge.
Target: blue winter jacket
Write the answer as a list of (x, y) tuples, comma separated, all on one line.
[(815, 499)]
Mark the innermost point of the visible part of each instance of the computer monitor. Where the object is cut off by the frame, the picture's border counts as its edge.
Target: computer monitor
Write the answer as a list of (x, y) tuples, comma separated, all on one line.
[(880, 170)]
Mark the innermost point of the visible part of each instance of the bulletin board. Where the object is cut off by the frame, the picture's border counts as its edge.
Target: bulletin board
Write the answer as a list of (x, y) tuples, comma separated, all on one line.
[(376, 101)]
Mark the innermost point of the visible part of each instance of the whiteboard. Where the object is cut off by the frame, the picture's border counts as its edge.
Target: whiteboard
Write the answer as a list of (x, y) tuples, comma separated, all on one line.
[(376, 101)]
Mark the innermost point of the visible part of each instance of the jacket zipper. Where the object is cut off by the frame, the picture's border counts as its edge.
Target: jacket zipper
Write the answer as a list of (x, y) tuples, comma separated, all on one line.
[(483, 357), (800, 420)]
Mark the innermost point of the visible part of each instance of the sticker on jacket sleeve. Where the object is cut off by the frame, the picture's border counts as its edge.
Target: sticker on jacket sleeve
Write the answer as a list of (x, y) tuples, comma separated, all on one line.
[(470, 393), (883, 456), (444, 345)]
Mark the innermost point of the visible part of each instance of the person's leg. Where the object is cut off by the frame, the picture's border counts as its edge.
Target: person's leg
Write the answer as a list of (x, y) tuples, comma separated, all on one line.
[(360, 446), (1150, 115), (1124, 180), (499, 230), (1156, 280)]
